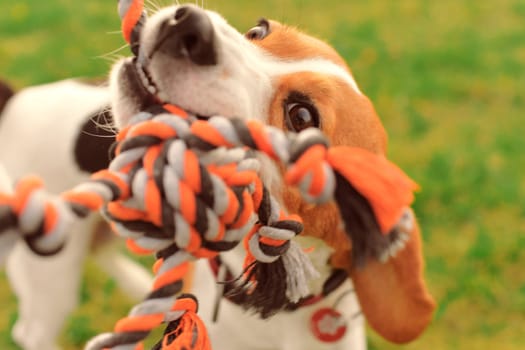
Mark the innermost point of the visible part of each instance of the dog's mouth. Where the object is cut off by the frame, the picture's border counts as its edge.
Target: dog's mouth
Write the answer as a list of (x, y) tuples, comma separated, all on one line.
[(147, 81), (146, 91), (141, 84)]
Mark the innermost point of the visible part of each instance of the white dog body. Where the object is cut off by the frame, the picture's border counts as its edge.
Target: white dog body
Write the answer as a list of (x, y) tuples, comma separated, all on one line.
[(38, 131)]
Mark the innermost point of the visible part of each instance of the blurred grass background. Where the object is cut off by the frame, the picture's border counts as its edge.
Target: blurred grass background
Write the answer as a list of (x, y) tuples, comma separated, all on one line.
[(448, 79)]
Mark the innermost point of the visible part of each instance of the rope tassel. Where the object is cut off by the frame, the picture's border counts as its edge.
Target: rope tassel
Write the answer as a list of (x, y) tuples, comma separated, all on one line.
[(387, 189), (276, 269), (371, 193)]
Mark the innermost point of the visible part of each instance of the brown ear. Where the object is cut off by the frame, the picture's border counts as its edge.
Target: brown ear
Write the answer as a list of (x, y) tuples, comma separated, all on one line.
[(393, 295)]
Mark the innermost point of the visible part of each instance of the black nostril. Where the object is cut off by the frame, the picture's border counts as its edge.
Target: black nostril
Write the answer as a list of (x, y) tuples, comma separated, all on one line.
[(188, 34), (181, 11)]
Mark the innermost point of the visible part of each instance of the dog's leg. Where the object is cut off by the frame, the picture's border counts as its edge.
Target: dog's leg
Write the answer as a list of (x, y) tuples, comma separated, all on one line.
[(47, 288), (132, 278)]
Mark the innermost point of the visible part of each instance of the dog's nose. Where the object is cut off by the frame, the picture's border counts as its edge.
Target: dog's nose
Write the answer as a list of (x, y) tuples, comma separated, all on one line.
[(189, 34)]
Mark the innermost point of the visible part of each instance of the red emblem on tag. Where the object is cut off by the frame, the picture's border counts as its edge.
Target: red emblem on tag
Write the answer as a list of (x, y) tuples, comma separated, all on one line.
[(328, 325)]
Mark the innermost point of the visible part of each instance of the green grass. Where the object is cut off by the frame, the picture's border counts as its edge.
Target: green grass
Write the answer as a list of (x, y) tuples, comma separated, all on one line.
[(447, 78)]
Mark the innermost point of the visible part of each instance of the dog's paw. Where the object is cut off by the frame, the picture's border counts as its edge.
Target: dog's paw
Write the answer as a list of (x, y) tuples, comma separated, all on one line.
[(30, 339)]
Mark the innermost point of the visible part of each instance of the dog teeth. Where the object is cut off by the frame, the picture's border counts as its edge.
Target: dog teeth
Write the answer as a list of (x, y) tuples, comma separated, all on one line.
[(151, 89), (146, 80)]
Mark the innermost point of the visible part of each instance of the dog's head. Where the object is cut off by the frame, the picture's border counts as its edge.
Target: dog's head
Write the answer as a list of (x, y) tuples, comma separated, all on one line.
[(194, 59)]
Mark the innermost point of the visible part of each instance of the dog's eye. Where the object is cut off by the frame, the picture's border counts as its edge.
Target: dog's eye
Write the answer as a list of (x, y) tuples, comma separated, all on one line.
[(256, 33), (260, 31), (300, 116)]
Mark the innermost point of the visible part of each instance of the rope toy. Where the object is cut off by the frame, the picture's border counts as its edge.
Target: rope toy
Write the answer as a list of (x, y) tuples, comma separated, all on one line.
[(184, 189)]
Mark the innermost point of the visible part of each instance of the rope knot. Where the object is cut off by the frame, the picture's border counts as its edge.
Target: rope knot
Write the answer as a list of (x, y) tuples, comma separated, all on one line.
[(42, 220), (309, 169)]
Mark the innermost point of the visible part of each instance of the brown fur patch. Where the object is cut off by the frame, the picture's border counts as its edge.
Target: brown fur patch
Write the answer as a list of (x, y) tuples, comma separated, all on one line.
[(5, 94), (94, 141), (289, 43), (393, 295), (346, 118)]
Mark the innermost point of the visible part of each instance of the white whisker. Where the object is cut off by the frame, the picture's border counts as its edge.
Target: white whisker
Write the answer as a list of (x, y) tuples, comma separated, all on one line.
[(110, 59), (153, 5), (113, 32), (106, 124), (114, 51), (101, 136)]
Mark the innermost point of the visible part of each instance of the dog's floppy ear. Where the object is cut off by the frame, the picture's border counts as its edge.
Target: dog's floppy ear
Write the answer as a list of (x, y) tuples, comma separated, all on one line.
[(94, 140), (393, 294)]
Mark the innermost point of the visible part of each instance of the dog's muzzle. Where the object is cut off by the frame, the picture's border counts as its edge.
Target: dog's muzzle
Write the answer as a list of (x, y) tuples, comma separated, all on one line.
[(189, 34)]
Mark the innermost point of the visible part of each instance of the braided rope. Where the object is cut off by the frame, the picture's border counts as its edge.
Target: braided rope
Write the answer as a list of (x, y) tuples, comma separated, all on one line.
[(184, 189), (187, 189)]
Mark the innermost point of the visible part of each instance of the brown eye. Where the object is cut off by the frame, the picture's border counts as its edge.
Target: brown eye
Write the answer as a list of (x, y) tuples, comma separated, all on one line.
[(260, 31), (300, 116)]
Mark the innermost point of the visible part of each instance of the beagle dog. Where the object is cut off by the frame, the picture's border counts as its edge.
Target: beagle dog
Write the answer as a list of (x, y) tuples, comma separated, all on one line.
[(193, 58)]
